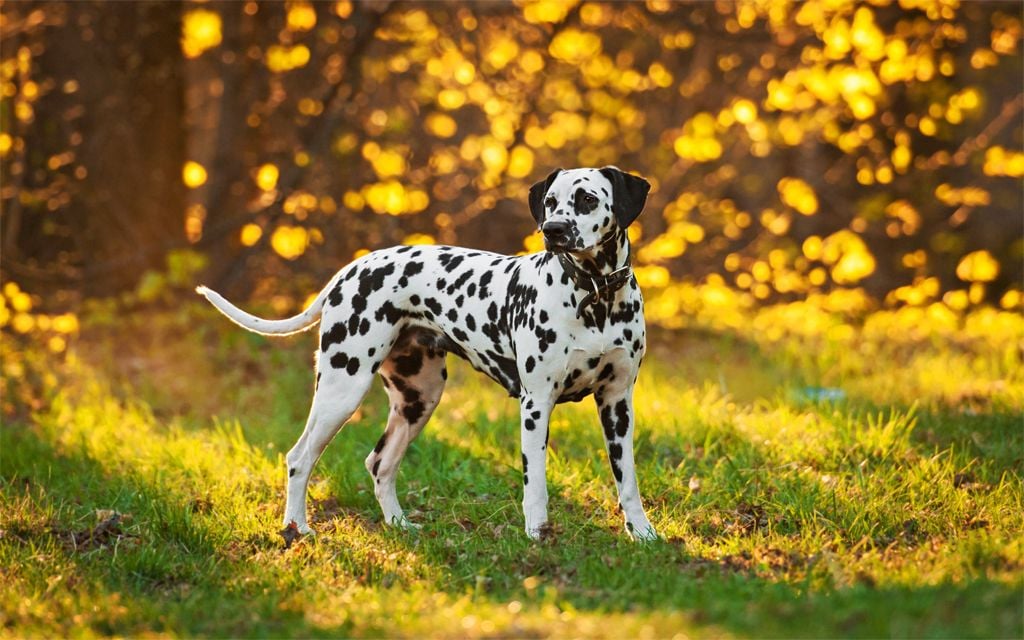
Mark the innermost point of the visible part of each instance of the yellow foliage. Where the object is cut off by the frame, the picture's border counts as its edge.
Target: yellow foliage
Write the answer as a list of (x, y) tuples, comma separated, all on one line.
[(906, 214), (418, 238), (250, 234), (520, 162), (850, 258), (193, 174), (388, 163), (301, 16), (441, 125), (799, 195), (280, 58), (968, 196), (977, 266), (744, 111), (200, 30), (652, 276), (547, 10), (1003, 162), (391, 197), (531, 61), (289, 242), (266, 177), (65, 323), (451, 99), (575, 46), (343, 8), (501, 51), (533, 242)]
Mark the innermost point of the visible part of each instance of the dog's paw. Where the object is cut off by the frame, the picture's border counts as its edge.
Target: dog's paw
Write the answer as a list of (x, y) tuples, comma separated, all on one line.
[(293, 531), (642, 533), (545, 531), (405, 523)]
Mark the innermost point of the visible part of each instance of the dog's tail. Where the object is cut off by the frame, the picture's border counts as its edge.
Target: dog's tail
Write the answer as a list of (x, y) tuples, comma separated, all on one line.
[(285, 327)]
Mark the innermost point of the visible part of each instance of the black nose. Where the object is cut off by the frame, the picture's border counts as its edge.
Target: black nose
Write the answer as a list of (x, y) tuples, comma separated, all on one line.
[(556, 230)]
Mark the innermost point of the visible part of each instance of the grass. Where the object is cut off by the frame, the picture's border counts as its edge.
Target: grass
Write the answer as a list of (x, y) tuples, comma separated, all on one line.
[(893, 510)]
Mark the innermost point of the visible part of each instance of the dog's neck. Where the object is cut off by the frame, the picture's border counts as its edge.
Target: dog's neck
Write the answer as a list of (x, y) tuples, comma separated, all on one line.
[(606, 257)]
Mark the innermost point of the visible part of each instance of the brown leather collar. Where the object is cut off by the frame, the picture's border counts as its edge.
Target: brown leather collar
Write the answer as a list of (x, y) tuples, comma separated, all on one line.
[(597, 286)]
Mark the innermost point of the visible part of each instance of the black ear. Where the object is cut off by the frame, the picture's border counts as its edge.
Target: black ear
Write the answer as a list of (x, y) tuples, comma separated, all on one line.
[(537, 193), (629, 193)]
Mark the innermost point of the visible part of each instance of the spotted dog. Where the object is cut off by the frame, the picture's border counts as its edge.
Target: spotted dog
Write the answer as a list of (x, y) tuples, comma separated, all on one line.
[(549, 327)]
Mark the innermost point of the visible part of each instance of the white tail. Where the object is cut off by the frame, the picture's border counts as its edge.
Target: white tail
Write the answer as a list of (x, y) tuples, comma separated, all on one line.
[(285, 327)]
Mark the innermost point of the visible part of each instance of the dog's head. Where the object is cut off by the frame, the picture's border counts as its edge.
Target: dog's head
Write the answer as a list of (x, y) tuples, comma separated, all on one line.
[(578, 209)]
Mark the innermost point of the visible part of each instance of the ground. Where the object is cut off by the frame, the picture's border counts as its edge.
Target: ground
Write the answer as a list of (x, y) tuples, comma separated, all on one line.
[(851, 483)]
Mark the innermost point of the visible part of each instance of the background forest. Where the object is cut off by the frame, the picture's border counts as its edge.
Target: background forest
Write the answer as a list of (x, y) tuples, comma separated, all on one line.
[(794, 149)]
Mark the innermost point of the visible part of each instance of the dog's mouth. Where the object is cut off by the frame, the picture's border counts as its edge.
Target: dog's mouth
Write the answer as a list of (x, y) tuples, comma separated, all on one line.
[(556, 247)]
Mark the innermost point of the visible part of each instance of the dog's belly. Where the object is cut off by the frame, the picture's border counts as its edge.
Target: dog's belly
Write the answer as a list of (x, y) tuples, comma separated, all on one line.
[(586, 372)]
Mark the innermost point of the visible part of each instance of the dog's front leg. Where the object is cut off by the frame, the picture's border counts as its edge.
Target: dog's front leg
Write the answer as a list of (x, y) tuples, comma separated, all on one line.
[(534, 417), (616, 409)]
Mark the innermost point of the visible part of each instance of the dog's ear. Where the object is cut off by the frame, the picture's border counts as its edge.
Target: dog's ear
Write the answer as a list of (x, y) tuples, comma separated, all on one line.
[(537, 193), (629, 193)]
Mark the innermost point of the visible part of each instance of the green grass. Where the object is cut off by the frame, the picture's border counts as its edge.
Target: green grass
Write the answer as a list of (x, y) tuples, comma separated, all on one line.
[(896, 511)]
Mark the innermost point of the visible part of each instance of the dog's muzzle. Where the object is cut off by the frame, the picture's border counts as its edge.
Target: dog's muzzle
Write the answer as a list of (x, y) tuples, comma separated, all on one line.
[(557, 235)]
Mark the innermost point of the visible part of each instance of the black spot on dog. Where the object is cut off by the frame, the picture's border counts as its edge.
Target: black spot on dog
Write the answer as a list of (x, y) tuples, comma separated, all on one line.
[(380, 443), (614, 456), (339, 360), (530, 363), (353, 366), (335, 335), (622, 418), (413, 411), (358, 303), (389, 312), (409, 364), (335, 297), (291, 472), (376, 467)]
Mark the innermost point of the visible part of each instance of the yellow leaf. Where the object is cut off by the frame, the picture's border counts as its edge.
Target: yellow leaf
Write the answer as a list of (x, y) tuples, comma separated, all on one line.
[(301, 16), (978, 266), (520, 162), (799, 195), (251, 234), (193, 174), (289, 242), (200, 30), (441, 125), (266, 177)]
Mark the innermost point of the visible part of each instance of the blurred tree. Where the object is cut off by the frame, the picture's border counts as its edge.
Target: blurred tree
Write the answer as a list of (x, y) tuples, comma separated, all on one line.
[(93, 142), (794, 147)]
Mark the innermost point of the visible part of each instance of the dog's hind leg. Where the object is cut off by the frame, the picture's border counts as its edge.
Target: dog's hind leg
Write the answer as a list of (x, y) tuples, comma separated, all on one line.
[(414, 377), (337, 396)]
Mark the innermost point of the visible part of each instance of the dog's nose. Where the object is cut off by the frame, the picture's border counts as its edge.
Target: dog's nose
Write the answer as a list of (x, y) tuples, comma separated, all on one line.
[(556, 231)]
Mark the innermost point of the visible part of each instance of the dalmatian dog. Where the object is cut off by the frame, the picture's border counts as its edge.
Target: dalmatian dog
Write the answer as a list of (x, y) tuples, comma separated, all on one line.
[(549, 327)]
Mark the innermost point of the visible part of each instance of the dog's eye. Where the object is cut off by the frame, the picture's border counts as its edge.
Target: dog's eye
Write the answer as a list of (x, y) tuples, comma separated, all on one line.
[(589, 198), (550, 203)]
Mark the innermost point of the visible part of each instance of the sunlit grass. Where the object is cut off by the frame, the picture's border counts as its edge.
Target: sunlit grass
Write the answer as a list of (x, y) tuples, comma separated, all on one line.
[(894, 509)]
